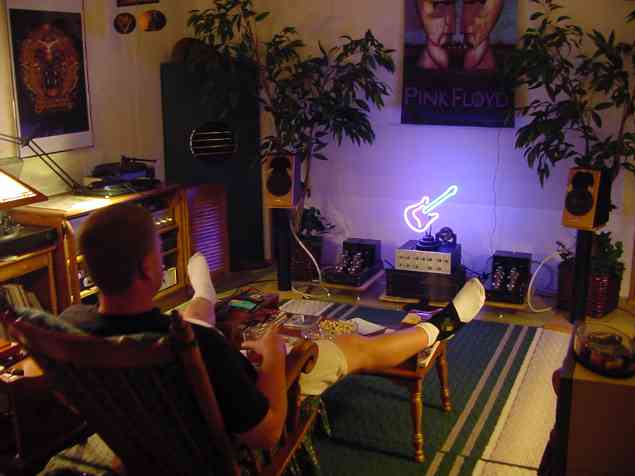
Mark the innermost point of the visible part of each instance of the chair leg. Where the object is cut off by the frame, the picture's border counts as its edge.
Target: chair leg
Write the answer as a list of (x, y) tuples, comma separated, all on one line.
[(416, 409), (311, 454), (324, 418), (442, 372), (294, 468)]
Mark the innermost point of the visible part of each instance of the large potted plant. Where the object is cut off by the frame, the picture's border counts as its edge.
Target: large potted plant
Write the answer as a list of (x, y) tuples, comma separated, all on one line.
[(585, 78), (605, 277), (310, 99)]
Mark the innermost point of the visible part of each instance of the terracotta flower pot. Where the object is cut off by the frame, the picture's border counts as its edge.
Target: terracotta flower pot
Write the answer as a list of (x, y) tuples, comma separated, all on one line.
[(603, 291)]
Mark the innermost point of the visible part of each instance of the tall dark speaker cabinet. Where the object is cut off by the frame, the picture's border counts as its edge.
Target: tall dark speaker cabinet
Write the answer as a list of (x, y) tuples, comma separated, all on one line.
[(236, 168)]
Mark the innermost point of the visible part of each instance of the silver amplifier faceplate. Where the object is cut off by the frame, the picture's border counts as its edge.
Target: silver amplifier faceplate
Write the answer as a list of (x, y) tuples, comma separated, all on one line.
[(441, 261)]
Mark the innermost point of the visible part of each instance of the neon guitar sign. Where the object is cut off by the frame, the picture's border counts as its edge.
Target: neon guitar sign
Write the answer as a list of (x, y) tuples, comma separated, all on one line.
[(419, 216)]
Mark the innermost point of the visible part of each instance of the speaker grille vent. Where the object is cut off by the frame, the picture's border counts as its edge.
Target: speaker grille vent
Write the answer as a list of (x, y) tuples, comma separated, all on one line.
[(208, 226), (213, 141)]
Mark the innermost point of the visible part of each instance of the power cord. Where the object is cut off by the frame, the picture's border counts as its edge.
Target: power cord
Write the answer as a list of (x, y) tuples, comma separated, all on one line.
[(548, 289), (495, 217), (482, 276), (315, 263), (531, 284)]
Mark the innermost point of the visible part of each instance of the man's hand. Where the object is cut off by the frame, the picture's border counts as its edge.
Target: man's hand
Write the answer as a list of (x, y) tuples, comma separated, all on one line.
[(271, 382), (271, 343)]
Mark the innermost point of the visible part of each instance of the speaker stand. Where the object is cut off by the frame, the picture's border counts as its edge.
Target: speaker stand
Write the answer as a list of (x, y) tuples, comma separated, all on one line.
[(584, 243), (282, 236)]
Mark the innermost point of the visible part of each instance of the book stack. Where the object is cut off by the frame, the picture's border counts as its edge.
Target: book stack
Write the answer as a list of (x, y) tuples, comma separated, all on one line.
[(18, 296)]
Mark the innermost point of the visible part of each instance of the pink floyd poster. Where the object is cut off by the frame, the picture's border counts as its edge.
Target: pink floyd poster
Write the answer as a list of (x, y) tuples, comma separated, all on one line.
[(49, 73), (453, 56)]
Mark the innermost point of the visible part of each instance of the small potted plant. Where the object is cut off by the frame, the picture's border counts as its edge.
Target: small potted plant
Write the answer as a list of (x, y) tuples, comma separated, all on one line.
[(313, 227), (605, 277)]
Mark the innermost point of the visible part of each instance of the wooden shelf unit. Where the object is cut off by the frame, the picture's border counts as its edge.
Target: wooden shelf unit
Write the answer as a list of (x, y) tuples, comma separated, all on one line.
[(66, 212), (34, 271)]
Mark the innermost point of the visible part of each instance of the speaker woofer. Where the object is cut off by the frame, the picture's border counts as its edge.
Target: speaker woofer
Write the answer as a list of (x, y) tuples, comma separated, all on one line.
[(588, 199), (579, 200), (279, 182)]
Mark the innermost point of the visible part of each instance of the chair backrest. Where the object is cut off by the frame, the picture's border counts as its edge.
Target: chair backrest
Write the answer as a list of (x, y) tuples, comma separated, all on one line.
[(148, 397)]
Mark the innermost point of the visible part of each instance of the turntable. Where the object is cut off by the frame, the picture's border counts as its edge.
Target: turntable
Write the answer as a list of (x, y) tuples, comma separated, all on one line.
[(131, 175), (111, 187)]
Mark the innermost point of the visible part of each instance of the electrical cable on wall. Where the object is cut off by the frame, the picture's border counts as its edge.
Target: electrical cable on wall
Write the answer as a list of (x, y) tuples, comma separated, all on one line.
[(498, 159), (315, 263), (548, 290), (531, 284)]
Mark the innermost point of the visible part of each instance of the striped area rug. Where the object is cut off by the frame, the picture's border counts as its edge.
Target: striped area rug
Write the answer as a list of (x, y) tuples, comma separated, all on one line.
[(370, 416)]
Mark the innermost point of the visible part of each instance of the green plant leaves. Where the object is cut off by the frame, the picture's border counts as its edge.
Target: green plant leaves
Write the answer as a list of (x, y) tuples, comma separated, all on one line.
[(581, 86), (605, 255), (311, 99)]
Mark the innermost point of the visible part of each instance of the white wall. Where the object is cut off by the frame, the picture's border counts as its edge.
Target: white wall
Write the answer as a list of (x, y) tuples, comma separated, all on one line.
[(500, 204), (125, 95)]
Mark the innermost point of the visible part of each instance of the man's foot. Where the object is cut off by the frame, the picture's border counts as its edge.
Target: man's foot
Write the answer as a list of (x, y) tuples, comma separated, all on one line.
[(463, 308), (198, 272)]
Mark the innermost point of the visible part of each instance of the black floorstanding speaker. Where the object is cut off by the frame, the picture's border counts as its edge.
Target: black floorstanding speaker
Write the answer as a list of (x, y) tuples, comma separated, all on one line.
[(200, 148)]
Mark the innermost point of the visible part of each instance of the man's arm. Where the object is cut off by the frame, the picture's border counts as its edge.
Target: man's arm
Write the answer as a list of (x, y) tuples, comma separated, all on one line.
[(272, 383)]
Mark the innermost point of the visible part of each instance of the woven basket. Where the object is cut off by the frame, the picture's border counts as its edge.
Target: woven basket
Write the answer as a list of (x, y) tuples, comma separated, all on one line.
[(603, 291)]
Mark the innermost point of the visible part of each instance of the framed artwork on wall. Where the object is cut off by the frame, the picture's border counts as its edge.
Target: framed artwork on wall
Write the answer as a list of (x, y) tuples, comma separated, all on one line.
[(50, 79), (453, 54), (128, 3)]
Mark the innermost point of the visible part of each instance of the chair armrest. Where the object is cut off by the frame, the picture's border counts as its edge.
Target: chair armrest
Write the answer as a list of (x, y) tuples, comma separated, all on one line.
[(302, 358)]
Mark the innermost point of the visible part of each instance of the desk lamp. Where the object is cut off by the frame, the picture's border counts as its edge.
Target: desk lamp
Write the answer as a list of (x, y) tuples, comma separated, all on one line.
[(14, 193), (41, 154)]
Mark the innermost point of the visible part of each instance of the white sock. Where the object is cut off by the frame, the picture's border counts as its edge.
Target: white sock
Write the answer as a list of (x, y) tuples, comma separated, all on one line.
[(469, 300), (467, 303), (201, 281), (431, 330)]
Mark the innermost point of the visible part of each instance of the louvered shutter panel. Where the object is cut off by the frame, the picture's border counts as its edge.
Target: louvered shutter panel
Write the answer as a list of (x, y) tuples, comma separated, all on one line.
[(207, 209), (213, 141)]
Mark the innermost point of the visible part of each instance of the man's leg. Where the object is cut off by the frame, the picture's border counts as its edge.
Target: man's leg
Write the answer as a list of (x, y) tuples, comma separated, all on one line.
[(201, 308), (388, 350)]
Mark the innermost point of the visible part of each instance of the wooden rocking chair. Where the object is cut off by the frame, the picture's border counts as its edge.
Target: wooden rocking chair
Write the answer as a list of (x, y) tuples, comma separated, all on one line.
[(150, 398)]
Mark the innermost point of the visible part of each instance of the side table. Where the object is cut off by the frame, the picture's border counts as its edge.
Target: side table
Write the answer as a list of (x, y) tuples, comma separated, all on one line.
[(595, 424), (411, 374)]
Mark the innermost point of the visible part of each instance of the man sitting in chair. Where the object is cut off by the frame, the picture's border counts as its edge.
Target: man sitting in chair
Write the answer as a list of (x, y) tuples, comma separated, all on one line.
[(122, 251)]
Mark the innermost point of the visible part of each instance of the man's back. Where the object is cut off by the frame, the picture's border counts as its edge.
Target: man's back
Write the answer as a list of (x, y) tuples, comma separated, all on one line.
[(234, 379)]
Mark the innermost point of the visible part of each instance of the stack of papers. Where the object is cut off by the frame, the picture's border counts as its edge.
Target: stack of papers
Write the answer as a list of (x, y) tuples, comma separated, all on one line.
[(365, 327)]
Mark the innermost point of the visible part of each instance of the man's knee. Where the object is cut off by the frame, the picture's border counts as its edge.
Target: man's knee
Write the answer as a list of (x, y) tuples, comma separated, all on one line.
[(356, 350)]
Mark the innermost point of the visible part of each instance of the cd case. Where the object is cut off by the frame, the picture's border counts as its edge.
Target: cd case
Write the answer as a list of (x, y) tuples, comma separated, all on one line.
[(301, 321)]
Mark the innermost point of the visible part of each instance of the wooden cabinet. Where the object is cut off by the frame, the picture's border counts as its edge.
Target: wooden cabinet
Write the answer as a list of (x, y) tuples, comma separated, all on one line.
[(34, 271), (595, 422), (188, 219), (67, 212)]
